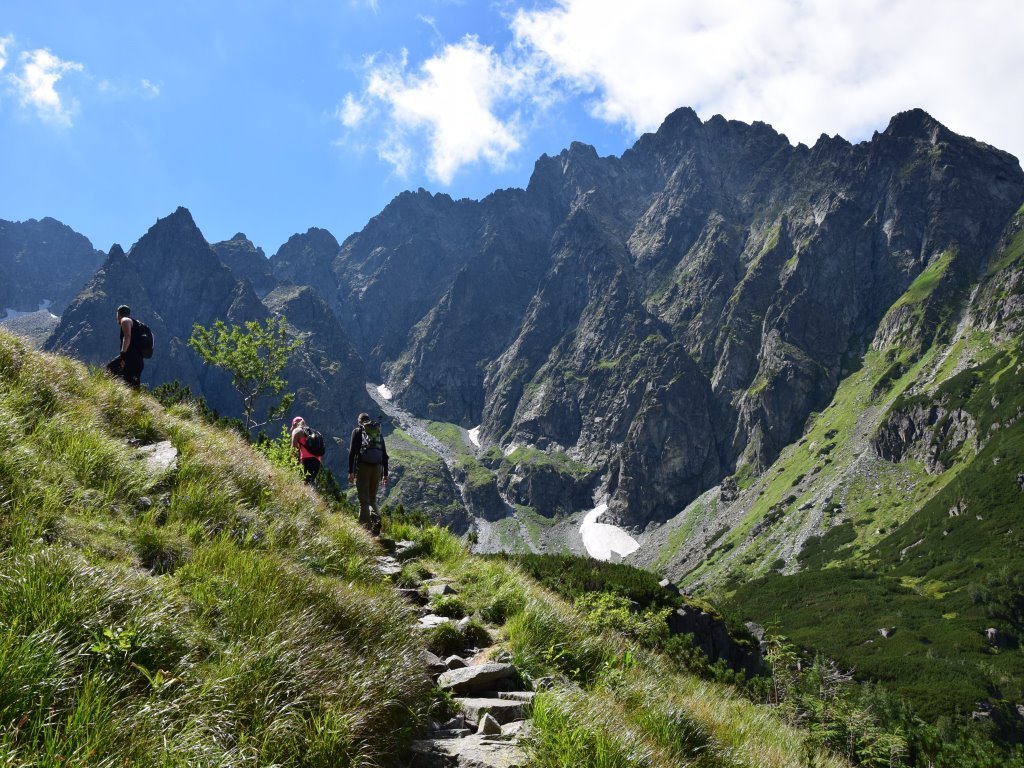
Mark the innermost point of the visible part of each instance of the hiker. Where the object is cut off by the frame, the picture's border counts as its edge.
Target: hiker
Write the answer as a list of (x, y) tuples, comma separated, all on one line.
[(309, 445), (368, 468), (128, 364)]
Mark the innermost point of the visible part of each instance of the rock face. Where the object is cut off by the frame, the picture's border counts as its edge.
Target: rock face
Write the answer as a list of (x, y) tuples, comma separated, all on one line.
[(43, 261), (246, 262), (663, 316), (172, 278)]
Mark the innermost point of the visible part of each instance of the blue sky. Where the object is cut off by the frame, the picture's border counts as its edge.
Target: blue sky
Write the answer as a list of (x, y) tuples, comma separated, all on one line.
[(269, 118)]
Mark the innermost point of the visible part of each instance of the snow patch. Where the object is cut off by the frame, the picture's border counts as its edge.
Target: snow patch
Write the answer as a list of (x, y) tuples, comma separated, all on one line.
[(474, 436), (603, 541), (13, 314), (384, 392)]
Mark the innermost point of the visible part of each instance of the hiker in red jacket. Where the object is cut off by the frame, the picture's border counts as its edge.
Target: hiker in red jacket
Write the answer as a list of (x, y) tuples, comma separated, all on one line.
[(301, 440)]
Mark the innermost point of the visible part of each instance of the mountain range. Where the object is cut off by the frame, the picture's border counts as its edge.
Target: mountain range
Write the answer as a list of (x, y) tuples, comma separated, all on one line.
[(777, 365)]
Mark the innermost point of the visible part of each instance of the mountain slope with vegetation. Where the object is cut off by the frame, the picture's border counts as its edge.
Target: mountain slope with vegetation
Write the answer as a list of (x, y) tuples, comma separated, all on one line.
[(214, 610), (888, 535)]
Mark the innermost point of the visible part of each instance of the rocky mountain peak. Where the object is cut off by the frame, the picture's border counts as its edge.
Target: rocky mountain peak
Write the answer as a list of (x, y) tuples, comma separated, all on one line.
[(913, 123)]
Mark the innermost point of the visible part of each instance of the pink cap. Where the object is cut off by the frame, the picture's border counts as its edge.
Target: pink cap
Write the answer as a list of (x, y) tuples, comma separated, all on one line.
[(296, 420)]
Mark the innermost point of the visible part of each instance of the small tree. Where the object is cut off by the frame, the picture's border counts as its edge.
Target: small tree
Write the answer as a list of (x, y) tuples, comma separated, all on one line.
[(254, 355)]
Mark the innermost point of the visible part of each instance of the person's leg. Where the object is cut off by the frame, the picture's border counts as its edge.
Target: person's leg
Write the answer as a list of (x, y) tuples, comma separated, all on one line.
[(310, 467), (364, 476), (133, 366), (375, 476)]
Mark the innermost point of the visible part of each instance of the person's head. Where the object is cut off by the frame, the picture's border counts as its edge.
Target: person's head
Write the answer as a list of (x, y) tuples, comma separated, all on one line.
[(298, 422), (123, 311), (364, 418)]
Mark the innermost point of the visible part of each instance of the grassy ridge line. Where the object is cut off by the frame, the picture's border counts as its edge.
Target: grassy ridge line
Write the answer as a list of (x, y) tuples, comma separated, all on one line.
[(221, 614)]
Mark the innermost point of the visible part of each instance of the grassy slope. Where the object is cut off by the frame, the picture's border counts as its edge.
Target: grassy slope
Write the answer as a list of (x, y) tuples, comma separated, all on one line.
[(886, 551), (222, 614)]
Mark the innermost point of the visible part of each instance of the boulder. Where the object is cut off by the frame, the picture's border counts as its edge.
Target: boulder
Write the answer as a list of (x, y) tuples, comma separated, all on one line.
[(159, 457), (502, 711), (488, 725), (477, 678), (476, 751)]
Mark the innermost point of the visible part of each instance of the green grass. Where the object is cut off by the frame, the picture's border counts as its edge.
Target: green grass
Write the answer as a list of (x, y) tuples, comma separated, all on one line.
[(451, 435), (231, 619), (559, 460)]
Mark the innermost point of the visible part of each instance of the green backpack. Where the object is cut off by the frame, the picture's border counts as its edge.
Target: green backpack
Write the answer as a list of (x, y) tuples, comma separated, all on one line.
[(372, 448)]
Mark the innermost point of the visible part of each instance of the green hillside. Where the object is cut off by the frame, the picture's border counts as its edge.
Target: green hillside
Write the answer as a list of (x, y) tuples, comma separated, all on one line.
[(889, 535), (216, 612)]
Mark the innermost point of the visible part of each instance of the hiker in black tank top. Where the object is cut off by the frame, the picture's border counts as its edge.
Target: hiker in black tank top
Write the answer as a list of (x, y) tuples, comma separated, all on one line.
[(128, 364)]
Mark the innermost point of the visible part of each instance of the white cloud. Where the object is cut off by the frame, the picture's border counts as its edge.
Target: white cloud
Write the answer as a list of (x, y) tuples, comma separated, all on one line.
[(4, 42), (351, 112), (462, 101), (152, 90), (807, 68), (36, 85)]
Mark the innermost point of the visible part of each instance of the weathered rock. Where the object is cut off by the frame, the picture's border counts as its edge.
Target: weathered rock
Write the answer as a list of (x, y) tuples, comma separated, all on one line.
[(388, 567), (997, 638), (455, 662), (435, 665), (159, 457), (887, 632), (432, 620), (475, 678), (502, 710), (474, 751), (488, 725)]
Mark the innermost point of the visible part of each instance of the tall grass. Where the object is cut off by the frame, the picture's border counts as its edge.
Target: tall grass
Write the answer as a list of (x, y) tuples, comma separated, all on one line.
[(218, 613)]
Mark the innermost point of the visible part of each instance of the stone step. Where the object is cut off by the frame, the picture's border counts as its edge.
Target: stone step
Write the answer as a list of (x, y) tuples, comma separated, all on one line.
[(389, 567), (480, 677), (476, 751), (502, 710)]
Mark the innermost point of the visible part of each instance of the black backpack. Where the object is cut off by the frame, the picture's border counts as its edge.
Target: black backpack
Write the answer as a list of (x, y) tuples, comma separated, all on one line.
[(314, 441), (372, 448), (142, 338)]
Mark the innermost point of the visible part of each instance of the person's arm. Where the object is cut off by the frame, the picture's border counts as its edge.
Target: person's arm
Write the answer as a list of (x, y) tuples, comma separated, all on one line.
[(126, 334), (384, 464)]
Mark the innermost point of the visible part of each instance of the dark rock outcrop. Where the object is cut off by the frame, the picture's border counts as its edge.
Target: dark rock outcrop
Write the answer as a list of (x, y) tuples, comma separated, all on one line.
[(43, 260), (246, 262)]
